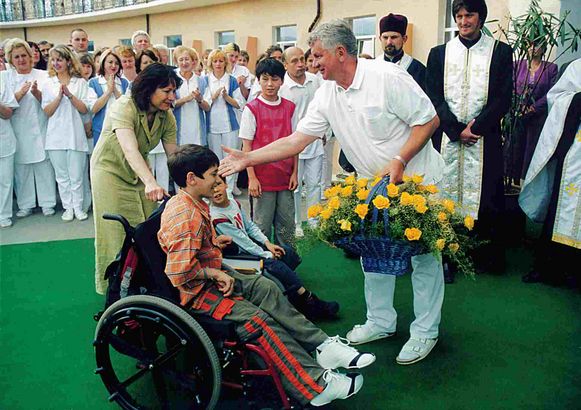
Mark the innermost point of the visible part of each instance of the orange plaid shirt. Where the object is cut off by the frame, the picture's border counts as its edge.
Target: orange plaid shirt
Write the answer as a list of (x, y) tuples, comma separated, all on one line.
[(188, 238)]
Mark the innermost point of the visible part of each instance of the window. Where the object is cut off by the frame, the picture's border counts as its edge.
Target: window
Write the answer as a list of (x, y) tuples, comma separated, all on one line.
[(285, 36), (125, 42), (451, 29), (91, 46), (364, 30), (173, 41), (223, 38)]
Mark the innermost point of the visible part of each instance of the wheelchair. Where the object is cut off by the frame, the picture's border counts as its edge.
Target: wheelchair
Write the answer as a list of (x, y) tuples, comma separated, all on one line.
[(151, 353)]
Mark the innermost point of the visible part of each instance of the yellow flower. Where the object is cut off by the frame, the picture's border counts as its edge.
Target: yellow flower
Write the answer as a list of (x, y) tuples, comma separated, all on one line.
[(347, 191), (421, 208), (392, 190), (406, 199), (454, 247), (333, 191), (413, 234), (417, 179), (381, 202), (407, 178), (362, 210), (375, 181), (326, 213), (362, 194), (350, 180), (362, 183), (469, 222), (345, 224), (334, 202), (418, 200), (442, 217), (440, 243), (432, 189), (449, 205), (314, 211)]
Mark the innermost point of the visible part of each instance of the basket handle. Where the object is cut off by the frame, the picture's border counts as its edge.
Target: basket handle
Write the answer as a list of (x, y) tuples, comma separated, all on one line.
[(379, 188)]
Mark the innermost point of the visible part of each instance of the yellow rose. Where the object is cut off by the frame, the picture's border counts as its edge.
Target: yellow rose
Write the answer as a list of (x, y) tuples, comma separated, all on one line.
[(350, 180), (345, 224), (362, 183), (432, 189), (362, 210), (314, 211), (328, 193), (406, 199), (362, 194), (413, 234), (440, 243), (334, 202), (406, 178), (392, 190), (449, 205), (454, 247), (469, 222), (380, 202), (326, 213), (347, 191), (375, 181), (421, 208), (417, 179), (442, 217), (418, 200)]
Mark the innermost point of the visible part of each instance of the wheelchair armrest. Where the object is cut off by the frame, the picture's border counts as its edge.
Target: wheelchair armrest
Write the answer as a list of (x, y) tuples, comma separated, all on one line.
[(245, 257)]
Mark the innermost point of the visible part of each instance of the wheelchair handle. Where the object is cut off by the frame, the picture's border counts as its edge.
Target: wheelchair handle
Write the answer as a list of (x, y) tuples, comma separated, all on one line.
[(121, 219)]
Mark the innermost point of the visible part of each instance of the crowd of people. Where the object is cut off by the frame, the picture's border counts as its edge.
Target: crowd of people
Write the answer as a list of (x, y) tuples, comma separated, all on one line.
[(145, 128)]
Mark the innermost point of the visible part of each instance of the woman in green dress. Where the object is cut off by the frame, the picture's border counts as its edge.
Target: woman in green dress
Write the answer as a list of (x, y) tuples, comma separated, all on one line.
[(120, 177)]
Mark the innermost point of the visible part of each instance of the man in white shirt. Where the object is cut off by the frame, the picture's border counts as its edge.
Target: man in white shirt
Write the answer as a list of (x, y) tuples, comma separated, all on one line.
[(299, 87), (241, 73), (80, 41), (384, 122), (140, 40)]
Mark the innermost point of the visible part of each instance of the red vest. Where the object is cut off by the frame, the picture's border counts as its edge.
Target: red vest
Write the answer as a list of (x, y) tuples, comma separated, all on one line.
[(272, 122)]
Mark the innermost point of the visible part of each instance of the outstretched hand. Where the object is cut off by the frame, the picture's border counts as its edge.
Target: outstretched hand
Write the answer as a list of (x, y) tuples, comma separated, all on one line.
[(236, 161)]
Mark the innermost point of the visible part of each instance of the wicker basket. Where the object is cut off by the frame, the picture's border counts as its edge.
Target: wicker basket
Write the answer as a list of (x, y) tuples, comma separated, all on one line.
[(380, 254)]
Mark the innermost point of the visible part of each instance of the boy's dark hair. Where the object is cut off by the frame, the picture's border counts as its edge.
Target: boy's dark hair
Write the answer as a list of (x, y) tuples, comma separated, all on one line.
[(472, 6), (190, 158), (154, 76), (271, 67), (307, 54), (272, 49)]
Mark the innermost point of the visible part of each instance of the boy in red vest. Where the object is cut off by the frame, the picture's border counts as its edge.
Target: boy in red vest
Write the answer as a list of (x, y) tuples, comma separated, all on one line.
[(264, 120)]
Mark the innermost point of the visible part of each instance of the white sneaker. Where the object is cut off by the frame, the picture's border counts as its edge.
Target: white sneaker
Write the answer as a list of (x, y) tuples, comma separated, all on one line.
[(299, 233), (23, 213), (366, 333), (6, 223), (236, 191), (335, 352), (68, 215), (415, 350), (339, 386), (80, 214), (48, 211)]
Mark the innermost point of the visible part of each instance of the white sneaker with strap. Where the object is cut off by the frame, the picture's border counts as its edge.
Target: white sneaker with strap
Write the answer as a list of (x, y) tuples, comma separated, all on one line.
[(366, 333), (335, 352), (415, 349), (339, 386)]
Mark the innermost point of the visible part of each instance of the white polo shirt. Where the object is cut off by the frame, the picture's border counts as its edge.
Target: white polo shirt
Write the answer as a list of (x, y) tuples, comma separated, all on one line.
[(372, 119), (301, 95)]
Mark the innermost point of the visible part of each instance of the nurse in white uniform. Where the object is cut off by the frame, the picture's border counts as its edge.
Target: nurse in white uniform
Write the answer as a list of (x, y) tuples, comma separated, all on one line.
[(7, 149)]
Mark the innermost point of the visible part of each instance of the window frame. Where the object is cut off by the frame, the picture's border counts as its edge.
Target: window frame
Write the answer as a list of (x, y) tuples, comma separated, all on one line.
[(284, 44), (218, 38), (361, 39)]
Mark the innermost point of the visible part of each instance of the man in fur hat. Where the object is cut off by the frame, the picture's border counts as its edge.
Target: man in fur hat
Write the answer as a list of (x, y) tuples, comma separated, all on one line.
[(392, 34)]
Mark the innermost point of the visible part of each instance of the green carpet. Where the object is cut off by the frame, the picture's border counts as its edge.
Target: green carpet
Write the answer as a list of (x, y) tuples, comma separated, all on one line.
[(503, 345)]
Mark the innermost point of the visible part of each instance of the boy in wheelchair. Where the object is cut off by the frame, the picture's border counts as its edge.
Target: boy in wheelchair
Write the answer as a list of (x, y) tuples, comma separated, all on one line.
[(253, 302), (229, 219)]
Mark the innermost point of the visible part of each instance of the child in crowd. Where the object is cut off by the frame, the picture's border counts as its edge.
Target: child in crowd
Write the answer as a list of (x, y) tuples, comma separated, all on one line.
[(229, 219), (264, 120), (255, 303)]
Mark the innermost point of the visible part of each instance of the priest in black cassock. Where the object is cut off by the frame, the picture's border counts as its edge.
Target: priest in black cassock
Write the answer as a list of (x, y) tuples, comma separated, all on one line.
[(469, 80), (392, 34)]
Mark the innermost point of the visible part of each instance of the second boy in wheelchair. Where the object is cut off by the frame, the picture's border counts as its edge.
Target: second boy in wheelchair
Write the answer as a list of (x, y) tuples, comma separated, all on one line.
[(256, 304)]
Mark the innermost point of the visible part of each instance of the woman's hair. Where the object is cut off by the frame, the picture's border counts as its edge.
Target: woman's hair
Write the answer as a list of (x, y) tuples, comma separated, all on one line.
[(16, 43), (154, 76), (244, 54), (104, 56), (261, 57), (179, 50), (307, 54), (87, 59), (272, 49), (125, 51), (40, 64), (73, 64), (335, 33), (214, 55), (147, 52)]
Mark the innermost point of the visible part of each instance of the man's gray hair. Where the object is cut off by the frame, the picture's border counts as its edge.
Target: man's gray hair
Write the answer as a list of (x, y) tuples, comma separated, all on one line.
[(334, 33), (160, 47), (139, 33)]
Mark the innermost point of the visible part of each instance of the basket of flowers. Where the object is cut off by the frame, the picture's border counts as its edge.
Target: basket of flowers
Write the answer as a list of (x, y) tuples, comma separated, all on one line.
[(387, 224)]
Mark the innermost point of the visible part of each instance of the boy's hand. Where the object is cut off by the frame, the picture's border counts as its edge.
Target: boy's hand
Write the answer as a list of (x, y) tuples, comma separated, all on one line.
[(223, 240), (254, 188), (224, 282), (236, 161), (293, 182), (277, 251)]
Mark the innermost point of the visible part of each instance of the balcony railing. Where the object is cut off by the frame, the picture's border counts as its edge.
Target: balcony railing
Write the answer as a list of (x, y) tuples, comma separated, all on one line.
[(20, 10)]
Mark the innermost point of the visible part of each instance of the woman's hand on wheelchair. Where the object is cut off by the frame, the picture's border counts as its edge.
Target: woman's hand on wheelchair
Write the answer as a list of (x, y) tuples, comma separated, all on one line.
[(224, 282)]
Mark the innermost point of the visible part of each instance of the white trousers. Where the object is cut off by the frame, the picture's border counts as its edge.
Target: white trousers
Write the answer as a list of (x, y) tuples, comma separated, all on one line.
[(158, 166), (428, 288), (32, 181), (328, 158), (230, 140), (6, 186), (310, 172), (69, 168)]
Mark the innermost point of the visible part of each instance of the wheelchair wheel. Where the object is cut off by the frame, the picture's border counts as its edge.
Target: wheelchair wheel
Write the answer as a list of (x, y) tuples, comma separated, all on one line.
[(151, 354)]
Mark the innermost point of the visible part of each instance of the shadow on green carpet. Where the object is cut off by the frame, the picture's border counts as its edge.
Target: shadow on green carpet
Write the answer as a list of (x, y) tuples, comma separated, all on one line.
[(503, 344)]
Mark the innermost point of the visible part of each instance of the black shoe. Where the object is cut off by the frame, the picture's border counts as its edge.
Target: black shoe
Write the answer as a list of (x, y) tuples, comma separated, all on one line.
[(532, 277), (314, 308)]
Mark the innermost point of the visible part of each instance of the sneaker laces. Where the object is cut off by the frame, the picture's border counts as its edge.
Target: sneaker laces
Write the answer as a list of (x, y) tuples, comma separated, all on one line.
[(330, 375), (341, 340)]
